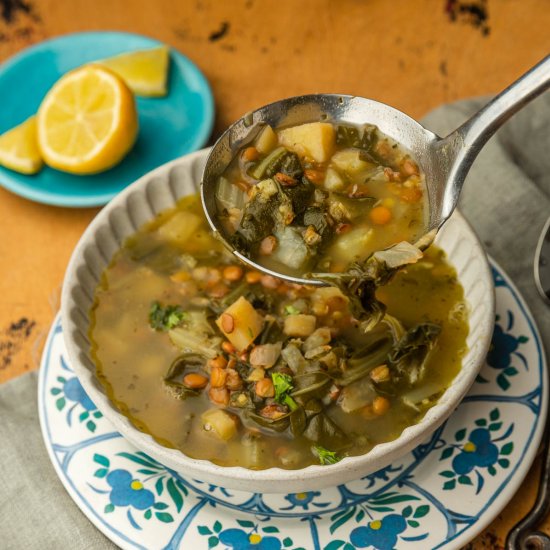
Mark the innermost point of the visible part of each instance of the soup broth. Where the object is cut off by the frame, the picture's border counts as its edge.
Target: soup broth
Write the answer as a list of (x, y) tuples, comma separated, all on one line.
[(242, 369)]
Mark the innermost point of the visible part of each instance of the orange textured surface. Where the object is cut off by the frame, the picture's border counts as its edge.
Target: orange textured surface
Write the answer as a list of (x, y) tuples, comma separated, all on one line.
[(403, 52)]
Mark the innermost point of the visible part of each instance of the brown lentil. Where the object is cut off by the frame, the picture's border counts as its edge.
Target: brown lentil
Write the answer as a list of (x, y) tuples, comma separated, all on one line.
[(220, 396), (233, 273), (380, 405), (195, 381), (218, 377), (264, 388), (228, 323)]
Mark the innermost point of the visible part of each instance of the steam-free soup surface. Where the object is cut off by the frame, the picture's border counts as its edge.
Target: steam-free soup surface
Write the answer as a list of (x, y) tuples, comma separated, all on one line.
[(239, 368)]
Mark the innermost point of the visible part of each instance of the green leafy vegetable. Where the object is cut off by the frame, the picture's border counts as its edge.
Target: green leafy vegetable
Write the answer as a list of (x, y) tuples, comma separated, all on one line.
[(167, 317), (299, 196), (269, 165), (359, 282), (347, 136), (277, 424), (320, 220), (291, 165), (311, 384), (373, 353), (324, 431), (350, 136), (409, 357), (325, 456), (283, 385), (259, 216), (272, 332), (296, 419), (279, 160)]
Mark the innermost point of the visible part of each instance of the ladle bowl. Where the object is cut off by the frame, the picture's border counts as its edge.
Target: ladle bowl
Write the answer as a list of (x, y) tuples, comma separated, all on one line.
[(444, 161)]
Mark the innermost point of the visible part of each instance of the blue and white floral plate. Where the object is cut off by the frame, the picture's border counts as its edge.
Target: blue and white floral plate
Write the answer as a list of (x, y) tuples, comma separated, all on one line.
[(439, 496)]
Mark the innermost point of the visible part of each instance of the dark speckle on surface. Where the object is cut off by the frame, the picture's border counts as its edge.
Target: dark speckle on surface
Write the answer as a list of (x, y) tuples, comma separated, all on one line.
[(24, 32), (10, 9), (12, 338), (443, 68), (473, 12), (220, 33), (487, 541)]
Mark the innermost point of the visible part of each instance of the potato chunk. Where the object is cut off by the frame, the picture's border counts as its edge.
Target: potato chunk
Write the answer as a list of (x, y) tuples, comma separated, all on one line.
[(333, 181), (299, 326), (315, 140), (240, 323), (180, 227), (266, 140), (349, 161), (352, 246), (322, 297), (220, 423)]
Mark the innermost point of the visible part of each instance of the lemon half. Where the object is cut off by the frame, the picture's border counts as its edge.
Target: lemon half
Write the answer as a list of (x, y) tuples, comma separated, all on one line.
[(87, 122)]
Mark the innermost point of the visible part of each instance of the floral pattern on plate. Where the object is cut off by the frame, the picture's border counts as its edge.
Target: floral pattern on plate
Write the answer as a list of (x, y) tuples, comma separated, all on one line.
[(440, 495)]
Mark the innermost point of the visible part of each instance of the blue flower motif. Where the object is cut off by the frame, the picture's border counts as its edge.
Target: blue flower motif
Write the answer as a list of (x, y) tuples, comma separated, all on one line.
[(301, 499), (381, 534), (128, 492), (502, 347), (238, 539), (74, 391), (478, 451)]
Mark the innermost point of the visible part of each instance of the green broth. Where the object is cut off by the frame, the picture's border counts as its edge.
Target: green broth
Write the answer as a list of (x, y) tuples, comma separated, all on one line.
[(175, 260)]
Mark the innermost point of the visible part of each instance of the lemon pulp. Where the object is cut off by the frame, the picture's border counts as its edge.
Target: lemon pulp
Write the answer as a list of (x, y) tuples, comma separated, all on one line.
[(87, 121)]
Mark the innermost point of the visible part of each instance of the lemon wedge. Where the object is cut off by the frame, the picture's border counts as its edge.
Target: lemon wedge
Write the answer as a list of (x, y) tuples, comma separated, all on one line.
[(87, 122), (19, 148), (145, 71)]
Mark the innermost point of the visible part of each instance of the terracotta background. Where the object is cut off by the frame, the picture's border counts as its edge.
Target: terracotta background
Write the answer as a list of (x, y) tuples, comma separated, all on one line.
[(408, 53)]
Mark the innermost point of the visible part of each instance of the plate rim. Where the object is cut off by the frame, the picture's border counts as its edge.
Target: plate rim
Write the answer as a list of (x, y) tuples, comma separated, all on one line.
[(490, 511), (9, 179)]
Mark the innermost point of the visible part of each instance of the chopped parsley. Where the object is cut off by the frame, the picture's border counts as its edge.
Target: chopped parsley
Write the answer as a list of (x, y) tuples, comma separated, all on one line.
[(291, 310), (325, 456), (283, 385), (165, 317)]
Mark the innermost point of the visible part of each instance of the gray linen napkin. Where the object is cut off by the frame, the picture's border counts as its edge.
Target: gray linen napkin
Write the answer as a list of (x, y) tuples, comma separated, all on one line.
[(506, 196), (507, 200)]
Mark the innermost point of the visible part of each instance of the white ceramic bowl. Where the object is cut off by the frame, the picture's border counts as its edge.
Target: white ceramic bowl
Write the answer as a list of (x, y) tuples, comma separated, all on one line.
[(161, 189)]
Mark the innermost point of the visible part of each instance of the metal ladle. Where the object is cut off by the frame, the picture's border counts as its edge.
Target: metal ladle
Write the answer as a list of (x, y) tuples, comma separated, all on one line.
[(445, 161)]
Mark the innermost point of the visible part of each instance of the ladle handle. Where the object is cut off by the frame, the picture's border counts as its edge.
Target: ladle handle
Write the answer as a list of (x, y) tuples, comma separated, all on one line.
[(479, 128), (466, 141)]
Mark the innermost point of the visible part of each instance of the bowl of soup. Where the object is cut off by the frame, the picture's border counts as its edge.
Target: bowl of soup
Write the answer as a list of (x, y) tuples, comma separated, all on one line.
[(232, 376)]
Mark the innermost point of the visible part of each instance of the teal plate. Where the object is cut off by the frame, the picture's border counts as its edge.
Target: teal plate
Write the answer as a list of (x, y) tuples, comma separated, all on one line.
[(171, 126), (440, 495)]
